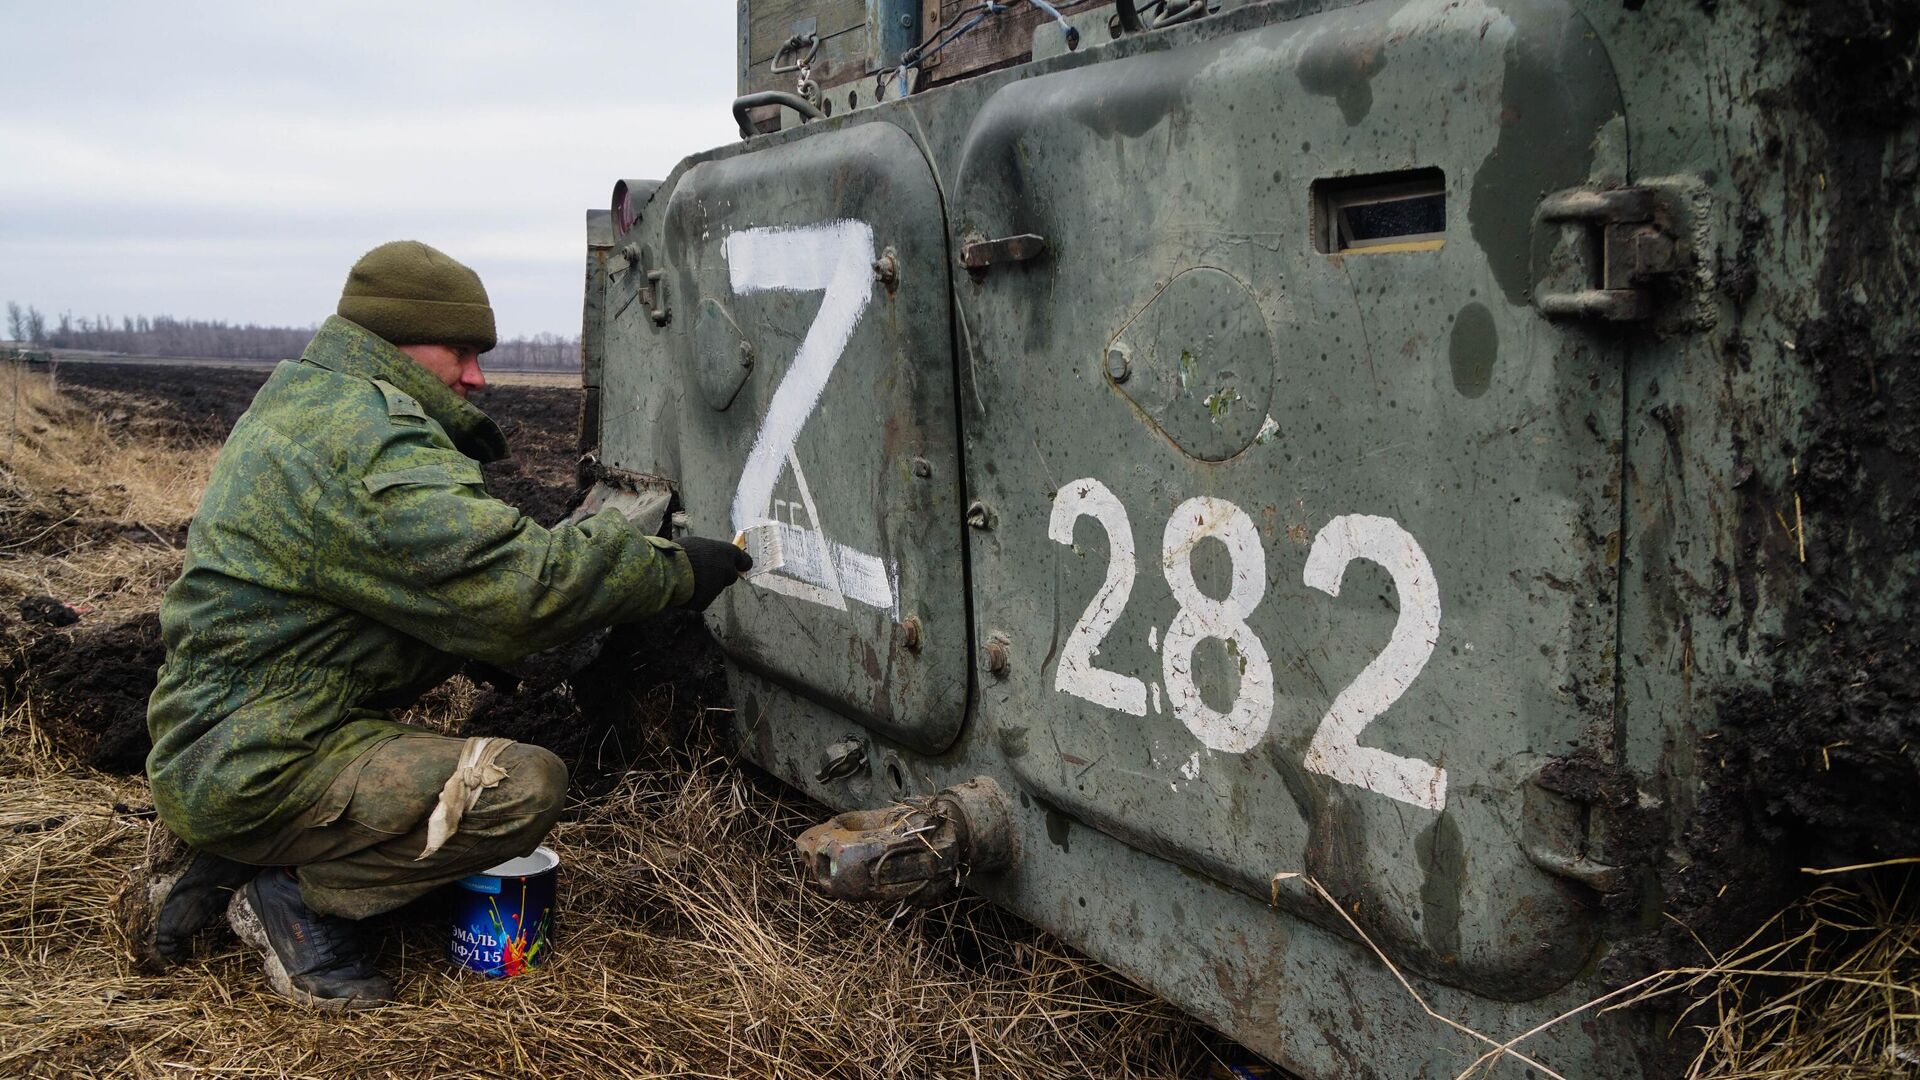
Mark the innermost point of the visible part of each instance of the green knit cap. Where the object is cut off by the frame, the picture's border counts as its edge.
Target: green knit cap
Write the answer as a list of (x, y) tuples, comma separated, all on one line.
[(411, 294)]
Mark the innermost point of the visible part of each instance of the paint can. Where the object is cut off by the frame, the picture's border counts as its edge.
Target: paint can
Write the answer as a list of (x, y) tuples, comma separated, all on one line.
[(1234, 1062), (1245, 1067), (503, 917)]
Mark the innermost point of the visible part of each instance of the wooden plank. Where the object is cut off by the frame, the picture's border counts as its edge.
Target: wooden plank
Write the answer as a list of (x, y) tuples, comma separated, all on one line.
[(741, 23), (772, 22), (1001, 41), (841, 25)]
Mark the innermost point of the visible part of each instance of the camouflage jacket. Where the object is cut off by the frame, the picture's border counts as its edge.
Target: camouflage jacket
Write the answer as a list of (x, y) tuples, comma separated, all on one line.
[(344, 558)]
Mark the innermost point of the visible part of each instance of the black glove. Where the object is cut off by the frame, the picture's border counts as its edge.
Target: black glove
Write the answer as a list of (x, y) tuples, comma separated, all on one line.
[(716, 565)]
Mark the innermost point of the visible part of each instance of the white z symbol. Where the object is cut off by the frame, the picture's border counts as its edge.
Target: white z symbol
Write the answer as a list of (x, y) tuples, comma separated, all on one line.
[(835, 259)]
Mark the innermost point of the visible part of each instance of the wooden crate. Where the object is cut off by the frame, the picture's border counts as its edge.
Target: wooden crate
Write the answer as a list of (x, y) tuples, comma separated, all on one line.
[(1002, 41)]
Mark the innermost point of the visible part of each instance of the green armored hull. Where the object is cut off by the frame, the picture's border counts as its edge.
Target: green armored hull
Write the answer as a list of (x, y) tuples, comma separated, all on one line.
[(1423, 480)]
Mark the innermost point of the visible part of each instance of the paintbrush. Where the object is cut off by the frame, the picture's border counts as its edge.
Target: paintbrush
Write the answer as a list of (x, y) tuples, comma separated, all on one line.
[(762, 544)]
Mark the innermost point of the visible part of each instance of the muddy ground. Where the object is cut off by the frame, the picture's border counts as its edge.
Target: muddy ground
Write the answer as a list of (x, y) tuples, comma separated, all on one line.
[(94, 680)]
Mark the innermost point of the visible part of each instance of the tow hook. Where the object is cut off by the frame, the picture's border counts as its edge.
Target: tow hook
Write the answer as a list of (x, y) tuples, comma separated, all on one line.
[(917, 850)]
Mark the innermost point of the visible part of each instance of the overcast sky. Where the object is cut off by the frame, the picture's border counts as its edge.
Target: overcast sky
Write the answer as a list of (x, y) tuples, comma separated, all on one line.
[(231, 160)]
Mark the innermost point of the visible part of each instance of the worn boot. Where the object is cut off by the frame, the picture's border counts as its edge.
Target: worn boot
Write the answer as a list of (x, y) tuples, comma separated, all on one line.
[(173, 894), (314, 959)]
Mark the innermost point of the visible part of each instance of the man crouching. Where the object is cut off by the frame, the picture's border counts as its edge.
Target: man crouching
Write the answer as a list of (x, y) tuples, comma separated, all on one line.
[(346, 558)]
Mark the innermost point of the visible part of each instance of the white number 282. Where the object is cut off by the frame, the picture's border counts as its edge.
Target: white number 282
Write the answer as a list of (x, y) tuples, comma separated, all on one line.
[(1335, 749)]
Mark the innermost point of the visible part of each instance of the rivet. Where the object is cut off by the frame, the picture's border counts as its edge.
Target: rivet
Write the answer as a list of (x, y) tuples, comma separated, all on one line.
[(886, 270), (910, 633), (1119, 365), (922, 468), (999, 654)]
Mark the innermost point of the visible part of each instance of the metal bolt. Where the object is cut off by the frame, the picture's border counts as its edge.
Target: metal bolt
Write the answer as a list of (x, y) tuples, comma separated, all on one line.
[(843, 759), (980, 515), (999, 655), (906, 21), (886, 270), (1119, 366), (746, 354), (922, 468), (910, 632)]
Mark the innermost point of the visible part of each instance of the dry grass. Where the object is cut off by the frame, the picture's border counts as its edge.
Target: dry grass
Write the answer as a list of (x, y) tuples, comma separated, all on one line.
[(688, 948), (56, 447), (1828, 988), (91, 510)]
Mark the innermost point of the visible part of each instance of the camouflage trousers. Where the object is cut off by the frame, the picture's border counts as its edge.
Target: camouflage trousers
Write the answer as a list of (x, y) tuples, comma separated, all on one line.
[(357, 849)]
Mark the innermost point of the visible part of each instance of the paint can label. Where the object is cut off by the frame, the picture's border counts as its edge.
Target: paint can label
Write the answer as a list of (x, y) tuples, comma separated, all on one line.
[(503, 918)]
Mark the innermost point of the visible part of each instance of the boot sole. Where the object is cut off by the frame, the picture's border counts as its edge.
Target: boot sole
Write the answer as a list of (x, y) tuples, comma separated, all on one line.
[(247, 926)]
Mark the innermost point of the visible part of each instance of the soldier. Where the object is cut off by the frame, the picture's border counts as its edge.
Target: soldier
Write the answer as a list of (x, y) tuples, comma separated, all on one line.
[(345, 559)]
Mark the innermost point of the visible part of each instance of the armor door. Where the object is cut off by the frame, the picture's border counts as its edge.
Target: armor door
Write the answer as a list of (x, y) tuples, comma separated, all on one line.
[(808, 284), (1306, 517)]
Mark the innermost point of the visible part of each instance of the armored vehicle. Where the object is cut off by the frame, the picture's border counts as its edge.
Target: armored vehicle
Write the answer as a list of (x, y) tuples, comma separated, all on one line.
[(1299, 496)]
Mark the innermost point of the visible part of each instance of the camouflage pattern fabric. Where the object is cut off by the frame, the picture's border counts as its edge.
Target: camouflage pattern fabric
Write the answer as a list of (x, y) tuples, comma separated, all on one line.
[(358, 846), (344, 559)]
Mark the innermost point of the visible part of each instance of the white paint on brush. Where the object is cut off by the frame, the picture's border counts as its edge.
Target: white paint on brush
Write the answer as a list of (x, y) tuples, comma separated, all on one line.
[(812, 558)]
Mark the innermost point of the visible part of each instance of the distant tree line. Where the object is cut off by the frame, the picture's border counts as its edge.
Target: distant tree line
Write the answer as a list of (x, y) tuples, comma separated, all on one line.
[(541, 352), (164, 335)]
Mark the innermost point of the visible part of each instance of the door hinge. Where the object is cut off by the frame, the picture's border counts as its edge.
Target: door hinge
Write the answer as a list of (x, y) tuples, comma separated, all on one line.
[(652, 295), (1616, 254), (1589, 822), (979, 254)]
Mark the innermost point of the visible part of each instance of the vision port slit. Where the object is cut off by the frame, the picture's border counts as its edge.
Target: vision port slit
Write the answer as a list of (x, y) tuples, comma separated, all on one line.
[(1380, 214)]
